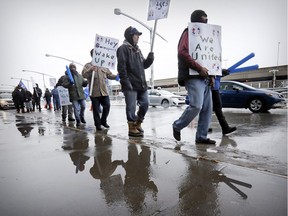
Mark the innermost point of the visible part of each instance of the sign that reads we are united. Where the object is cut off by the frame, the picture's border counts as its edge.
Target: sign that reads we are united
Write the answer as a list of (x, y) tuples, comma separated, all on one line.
[(104, 54), (205, 47)]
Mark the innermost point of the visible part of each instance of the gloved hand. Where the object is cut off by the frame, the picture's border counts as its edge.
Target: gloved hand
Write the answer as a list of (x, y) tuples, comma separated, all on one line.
[(151, 55), (225, 72)]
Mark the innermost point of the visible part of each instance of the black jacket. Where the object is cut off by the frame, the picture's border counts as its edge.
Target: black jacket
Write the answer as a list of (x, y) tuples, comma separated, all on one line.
[(131, 65)]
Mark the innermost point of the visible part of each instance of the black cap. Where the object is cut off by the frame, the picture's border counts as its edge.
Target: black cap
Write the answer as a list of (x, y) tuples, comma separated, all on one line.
[(196, 16)]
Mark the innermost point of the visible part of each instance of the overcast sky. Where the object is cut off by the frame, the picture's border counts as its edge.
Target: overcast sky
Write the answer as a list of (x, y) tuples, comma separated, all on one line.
[(67, 28)]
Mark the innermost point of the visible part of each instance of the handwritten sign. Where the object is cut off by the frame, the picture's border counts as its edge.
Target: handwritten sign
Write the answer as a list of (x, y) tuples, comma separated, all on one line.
[(104, 54), (63, 95), (158, 9), (205, 47)]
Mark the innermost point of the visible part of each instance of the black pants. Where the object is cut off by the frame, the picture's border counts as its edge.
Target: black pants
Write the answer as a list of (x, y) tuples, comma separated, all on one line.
[(104, 101), (217, 108)]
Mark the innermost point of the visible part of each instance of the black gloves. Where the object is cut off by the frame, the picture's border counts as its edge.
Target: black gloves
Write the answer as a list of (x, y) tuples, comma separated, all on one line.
[(225, 72)]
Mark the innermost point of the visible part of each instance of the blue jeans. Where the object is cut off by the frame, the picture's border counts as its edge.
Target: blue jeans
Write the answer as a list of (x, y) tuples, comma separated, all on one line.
[(199, 94), (79, 108), (104, 101), (133, 98)]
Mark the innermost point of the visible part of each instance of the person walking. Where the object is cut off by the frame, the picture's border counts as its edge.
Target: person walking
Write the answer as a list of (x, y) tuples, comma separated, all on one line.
[(217, 105), (28, 100), (131, 65), (47, 96), (56, 99), (66, 109), (99, 95), (37, 93), (76, 93), (197, 86), (18, 97)]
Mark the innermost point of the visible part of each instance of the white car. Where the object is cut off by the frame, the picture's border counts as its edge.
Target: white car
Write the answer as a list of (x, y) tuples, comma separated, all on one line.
[(6, 101), (164, 98)]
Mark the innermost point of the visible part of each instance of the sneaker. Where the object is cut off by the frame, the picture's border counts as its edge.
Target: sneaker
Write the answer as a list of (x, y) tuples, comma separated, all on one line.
[(176, 134), (206, 141), (229, 130), (83, 121), (71, 119), (106, 125)]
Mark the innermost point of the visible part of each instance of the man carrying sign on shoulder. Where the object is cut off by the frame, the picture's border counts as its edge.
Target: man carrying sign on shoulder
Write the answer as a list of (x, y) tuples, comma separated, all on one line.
[(99, 93), (197, 86), (131, 65)]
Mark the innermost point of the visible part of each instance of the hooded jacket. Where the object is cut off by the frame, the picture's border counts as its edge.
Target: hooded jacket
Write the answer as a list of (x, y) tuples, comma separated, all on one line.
[(131, 64)]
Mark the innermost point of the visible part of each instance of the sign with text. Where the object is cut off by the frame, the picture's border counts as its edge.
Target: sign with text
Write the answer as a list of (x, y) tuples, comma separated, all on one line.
[(104, 54), (158, 9), (64, 96), (205, 47)]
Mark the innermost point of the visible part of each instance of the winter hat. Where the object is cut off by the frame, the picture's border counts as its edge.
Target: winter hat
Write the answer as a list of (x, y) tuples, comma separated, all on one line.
[(72, 65), (196, 16), (129, 32)]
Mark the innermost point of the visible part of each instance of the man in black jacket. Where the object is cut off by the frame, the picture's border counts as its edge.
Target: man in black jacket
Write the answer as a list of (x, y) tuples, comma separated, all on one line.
[(131, 65)]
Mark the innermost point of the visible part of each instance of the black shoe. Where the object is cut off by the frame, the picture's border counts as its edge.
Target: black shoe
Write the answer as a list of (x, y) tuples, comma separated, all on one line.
[(106, 125), (176, 134), (229, 130), (83, 121), (78, 123), (206, 141), (210, 130), (71, 119)]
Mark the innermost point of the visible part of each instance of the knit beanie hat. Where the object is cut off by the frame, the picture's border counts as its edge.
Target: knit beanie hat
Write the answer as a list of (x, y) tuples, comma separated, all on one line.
[(196, 16)]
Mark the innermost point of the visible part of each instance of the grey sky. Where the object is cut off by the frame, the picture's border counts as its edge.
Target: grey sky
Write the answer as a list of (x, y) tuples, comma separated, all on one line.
[(67, 28)]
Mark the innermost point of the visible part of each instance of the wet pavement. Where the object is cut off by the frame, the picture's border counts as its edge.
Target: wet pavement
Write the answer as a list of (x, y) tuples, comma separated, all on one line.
[(51, 168)]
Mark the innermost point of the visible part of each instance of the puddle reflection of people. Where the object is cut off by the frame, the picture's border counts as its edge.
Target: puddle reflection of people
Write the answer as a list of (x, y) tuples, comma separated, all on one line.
[(104, 167), (24, 129), (78, 141), (137, 183), (225, 141), (197, 193), (79, 160)]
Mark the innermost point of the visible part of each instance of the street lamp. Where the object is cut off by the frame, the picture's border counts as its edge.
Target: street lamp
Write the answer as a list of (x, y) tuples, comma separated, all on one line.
[(22, 79), (117, 11), (48, 55), (43, 74), (274, 77)]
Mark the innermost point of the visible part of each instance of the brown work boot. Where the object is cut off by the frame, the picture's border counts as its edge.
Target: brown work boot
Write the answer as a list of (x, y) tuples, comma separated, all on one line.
[(138, 126), (133, 132)]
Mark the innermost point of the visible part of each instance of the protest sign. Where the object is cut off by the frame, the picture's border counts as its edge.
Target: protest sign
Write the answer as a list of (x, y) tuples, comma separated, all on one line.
[(64, 96), (205, 47), (104, 54), (158, 9), (52, 81)]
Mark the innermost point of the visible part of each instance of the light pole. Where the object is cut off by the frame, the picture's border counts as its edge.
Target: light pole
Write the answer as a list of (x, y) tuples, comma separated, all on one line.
[(117, 11), (72, 61), (43, 74), (274, 77), (22, 79)]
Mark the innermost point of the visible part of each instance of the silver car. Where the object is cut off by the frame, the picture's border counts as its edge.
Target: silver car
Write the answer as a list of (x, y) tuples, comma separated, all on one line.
[(164, 98), (6, 101)]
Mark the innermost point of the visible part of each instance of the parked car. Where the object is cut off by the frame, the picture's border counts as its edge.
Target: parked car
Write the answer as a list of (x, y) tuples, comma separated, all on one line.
[(164, 98), (239, 95), (6, 101)]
